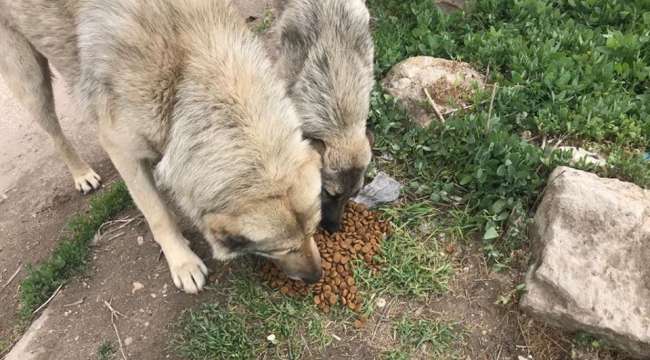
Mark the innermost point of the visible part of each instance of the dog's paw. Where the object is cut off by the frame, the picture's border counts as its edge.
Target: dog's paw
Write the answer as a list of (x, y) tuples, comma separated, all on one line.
[(188, 271), (87, 181)]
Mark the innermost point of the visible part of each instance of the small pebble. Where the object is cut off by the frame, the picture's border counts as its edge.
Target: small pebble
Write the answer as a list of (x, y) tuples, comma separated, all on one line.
[(137, 286), (271, 338), (381, 302)]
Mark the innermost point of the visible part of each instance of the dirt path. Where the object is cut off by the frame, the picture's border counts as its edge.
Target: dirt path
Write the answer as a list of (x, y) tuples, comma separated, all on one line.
[(128, 273)]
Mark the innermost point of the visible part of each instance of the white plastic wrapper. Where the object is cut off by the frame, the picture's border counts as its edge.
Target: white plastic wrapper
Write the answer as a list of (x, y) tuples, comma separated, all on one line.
[(383, 189)]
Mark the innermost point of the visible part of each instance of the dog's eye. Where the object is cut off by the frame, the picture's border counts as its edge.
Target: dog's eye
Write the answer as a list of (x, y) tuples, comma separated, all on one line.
[(236, 242), (281, 252)]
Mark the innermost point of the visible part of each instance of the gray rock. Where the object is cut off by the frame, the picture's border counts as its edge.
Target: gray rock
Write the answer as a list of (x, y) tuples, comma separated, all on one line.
[(382, 189), (591, 239), (450, 6), (579, 155), (451, 85)]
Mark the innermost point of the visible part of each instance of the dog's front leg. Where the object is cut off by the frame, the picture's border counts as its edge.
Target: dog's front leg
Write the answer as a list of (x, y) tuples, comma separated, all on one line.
[(125, 150)]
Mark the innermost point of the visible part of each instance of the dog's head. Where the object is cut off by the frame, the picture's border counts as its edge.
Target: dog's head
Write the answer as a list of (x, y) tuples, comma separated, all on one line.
[(279, 226), (344, 167)]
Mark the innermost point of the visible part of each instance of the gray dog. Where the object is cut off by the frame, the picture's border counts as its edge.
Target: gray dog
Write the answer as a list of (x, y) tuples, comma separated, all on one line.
[(181, 87), (326, 54)]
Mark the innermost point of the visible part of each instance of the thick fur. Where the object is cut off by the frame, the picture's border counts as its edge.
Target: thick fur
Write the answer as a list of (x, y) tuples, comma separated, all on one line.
[(183, 87), (326, 55)]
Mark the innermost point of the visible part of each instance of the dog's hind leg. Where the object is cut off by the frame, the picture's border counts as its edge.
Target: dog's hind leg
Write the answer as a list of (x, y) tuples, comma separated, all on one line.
[(27, 74)]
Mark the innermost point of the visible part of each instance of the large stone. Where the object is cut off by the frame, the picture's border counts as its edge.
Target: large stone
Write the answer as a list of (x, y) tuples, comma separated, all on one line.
[(591, 271), (450, 6), (451, 85)]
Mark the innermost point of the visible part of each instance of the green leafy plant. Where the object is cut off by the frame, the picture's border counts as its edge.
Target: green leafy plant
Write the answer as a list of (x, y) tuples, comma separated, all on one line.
[(572, 70)]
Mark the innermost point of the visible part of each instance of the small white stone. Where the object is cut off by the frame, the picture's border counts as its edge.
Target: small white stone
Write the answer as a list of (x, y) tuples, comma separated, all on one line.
[(137, 286), (140, 240), (128, 341), (381, 302), (271, 338)]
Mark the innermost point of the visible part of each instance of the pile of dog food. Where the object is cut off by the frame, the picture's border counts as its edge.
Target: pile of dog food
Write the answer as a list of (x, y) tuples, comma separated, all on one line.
[(359, 239)]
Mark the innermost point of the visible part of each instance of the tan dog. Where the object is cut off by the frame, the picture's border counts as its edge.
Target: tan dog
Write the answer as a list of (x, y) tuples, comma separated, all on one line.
[(181, 87), (326, 54)]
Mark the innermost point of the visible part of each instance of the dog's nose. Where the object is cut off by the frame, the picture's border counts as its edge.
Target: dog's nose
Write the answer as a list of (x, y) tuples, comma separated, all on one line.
[(312, 277), (331, 226)]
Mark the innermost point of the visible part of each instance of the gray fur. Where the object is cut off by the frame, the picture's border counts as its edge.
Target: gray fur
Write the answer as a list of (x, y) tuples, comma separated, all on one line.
[(326, 55)]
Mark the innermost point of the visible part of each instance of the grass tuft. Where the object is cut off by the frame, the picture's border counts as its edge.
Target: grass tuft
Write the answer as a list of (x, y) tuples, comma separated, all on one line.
[(238, 328), (411, 263), (69, 256), (106, 351), (431, 338)]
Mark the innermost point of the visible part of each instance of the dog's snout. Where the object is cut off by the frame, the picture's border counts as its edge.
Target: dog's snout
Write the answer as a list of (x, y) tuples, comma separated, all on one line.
[(331, 226), (313, 277)]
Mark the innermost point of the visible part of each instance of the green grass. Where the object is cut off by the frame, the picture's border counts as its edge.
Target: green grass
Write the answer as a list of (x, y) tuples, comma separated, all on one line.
[(106, 351), (411, 263), (69, 256), (238, 328), (4, 345), (435, 339), (576, 70)]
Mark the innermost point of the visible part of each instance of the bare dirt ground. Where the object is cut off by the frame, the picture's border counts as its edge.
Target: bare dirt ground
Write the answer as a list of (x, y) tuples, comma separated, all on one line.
[(36, 192), (126, 272)]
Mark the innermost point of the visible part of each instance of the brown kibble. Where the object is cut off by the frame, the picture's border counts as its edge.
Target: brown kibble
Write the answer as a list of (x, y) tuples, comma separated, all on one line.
[(332, 299), (450, 249), (360, 322), (359, 239)]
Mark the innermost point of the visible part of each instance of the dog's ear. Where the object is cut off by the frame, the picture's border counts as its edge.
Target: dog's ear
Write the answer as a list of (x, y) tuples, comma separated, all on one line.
[(225, 230), (371, 137), (318, 145), (221, 226)]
